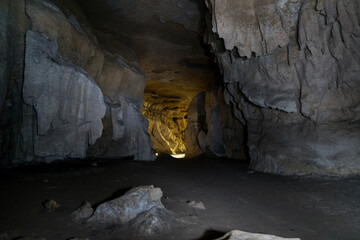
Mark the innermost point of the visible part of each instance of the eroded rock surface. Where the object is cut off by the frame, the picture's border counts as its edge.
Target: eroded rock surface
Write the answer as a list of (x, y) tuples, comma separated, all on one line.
[(84, 212), (139, 211), (291, 72), (212, 127), (127, 207), (241, 235), (69, 105), (64, 66)]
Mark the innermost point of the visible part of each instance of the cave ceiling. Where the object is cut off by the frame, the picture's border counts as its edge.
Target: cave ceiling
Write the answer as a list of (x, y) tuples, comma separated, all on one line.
[(165, 38)]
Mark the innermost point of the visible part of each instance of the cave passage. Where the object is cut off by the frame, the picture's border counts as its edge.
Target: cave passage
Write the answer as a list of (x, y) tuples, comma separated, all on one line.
[(98, 84), (174, 78), (169, 47)]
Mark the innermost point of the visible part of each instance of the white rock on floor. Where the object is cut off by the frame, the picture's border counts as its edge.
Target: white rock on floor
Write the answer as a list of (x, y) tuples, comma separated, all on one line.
[(195, 204), (125, 208), (241, 235)]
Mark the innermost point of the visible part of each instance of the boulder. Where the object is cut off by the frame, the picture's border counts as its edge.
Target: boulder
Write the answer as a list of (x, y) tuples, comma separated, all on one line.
[(127, 207)]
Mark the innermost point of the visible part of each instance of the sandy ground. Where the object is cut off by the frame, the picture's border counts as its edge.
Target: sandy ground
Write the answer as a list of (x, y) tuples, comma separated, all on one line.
[(309, 207)]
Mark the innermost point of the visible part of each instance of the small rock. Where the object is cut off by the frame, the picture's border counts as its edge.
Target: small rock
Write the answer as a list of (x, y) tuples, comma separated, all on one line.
[(84, 212), (198, 205), (94, 164), (45, 180), (51, 204)]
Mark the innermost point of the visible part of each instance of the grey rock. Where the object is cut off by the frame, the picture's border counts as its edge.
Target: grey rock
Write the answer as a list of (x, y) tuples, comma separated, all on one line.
[(297, 94), (195, 204), (125, 208), (196, 116), (157, 220), (241, 235), (5, 51), (69, 105), (28, 138), (212, 127), (84, 212), (214, 137)]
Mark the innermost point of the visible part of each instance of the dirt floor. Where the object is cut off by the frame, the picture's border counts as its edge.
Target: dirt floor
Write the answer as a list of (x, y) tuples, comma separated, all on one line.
[(309, 207)]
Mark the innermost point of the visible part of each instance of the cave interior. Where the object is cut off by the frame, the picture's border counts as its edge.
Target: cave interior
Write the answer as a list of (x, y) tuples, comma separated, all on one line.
[(179, 119)]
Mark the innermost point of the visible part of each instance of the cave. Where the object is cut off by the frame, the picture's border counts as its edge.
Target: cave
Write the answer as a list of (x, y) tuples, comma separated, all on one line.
[(179, 119)]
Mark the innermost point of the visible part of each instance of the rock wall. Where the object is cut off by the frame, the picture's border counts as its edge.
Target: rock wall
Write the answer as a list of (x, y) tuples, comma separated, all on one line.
[(212, 127), (291, 70), (69, 105), (68, 87), (16, 118)]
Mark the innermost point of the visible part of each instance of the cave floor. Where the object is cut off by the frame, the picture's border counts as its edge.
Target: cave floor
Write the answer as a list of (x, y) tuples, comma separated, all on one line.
[(309, 207)]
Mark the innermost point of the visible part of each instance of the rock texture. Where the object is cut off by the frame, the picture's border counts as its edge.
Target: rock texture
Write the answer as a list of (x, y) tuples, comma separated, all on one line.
[(240, 235), (140, 209), (127, 207), (63, 105), (84, 212), (212, 127), (291, 72), (69, 105)]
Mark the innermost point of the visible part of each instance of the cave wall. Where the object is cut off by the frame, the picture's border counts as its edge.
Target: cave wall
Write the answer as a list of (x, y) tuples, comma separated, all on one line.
[(291, 70), (62, 85), (212, 128)]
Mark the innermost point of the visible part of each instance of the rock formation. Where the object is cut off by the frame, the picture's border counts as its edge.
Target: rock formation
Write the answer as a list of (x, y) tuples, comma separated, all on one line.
[(64, 106), (127, 207), (212, 127), (69, 105), (291, 71), (139, 209), (289, 81)]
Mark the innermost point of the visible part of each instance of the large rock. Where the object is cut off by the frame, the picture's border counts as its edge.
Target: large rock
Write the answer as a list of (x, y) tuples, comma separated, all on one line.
[(241, 235), (212, 127), (69, 105), (291, 75), (125, 208)]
